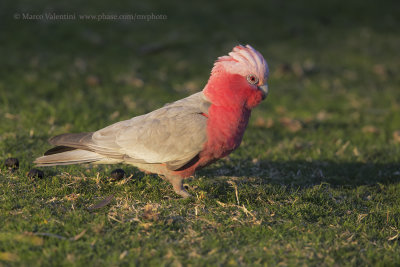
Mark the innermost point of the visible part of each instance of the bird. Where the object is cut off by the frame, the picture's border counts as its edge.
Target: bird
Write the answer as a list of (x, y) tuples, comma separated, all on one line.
[(181, 137)]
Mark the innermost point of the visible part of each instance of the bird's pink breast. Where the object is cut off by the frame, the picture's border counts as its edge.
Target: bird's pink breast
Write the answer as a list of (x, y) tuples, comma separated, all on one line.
[(225, 129), (232, 99)]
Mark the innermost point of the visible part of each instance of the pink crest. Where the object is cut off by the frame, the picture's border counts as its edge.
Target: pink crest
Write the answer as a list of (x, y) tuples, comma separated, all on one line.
[(244, 60)]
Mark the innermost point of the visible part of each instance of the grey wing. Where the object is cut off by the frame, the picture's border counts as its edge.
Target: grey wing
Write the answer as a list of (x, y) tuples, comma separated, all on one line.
[(171, 135)]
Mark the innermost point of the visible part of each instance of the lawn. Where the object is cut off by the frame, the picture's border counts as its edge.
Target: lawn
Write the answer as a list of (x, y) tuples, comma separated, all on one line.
[(315, 182)]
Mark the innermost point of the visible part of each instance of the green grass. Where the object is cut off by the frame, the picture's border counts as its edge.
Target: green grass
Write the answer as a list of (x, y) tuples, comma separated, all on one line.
[(315, 181)]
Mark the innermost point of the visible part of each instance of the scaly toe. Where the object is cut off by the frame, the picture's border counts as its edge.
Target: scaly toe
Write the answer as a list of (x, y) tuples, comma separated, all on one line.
[(183, 193)]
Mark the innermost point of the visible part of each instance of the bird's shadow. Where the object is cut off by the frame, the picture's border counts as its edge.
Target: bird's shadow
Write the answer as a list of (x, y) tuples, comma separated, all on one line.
[(302, 174), (263, 178), (218, 179)]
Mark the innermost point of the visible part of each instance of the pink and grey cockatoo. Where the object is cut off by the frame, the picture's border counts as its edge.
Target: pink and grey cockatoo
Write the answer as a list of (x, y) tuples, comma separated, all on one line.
[(179, 138)]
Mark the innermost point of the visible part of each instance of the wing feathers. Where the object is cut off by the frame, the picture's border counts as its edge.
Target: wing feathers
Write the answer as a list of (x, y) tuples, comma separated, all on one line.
[(58, 149), (173, 135), (75, 140)]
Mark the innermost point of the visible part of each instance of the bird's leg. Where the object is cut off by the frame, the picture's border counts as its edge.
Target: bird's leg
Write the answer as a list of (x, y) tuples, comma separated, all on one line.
[(177, 184)]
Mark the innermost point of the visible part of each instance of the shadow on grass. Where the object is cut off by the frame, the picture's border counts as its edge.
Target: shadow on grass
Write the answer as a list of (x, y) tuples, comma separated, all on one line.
[(263, 178), (305, 174), (269, 179)]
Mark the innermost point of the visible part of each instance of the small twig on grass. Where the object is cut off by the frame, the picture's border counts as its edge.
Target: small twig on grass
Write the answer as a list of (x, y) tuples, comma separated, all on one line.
[(97, 179), (221, 203), (243, 208), (236, 190), (51, 235), (78, 236), (396, 236), (124, 181), (114, 219)]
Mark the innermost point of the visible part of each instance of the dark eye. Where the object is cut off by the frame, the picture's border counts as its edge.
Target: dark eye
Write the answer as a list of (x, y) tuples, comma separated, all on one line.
[(252, 79)]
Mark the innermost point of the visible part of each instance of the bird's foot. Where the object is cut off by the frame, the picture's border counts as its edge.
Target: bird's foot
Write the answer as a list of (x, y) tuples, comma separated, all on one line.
[(183, 193), (177, 184)]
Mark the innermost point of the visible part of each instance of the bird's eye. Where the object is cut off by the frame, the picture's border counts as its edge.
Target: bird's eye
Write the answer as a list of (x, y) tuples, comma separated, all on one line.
[(252, 79)]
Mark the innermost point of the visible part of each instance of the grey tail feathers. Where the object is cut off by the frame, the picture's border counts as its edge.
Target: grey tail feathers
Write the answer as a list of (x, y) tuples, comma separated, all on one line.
[(69, 149), (74, 140)]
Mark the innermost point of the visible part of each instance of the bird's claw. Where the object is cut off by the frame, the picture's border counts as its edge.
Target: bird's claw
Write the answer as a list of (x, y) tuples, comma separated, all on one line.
[(177, 184), (183, 193)]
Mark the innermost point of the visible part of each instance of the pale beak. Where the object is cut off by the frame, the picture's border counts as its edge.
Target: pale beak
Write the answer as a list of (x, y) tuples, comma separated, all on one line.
[(264, 89)]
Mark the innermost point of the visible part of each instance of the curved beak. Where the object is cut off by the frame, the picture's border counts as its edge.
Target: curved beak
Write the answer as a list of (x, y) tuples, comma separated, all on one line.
[(264, 90)]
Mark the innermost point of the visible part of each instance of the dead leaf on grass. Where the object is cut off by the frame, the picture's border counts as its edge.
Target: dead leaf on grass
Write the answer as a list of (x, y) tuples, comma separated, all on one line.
[(280, 109), (381, 71), (323, 115), (356, 152), (102, 203), (261, 122), (123, 254), (146, 225), (92, 80), (72, 197), (291, 124), (8, 256), (342, 149), (78, 236), (370, 129), (150, 212), (396, 136), (395, 237), (114, 115)]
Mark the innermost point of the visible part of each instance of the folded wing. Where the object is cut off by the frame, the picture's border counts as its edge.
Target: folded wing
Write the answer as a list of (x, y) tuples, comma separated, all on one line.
[(172, 135)]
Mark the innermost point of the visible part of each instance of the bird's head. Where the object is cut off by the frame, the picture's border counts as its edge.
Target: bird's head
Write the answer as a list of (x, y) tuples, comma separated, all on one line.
[(239, 78)]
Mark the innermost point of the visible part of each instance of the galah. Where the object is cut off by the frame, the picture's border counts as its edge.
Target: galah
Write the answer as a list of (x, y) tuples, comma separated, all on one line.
[(179, 138)]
